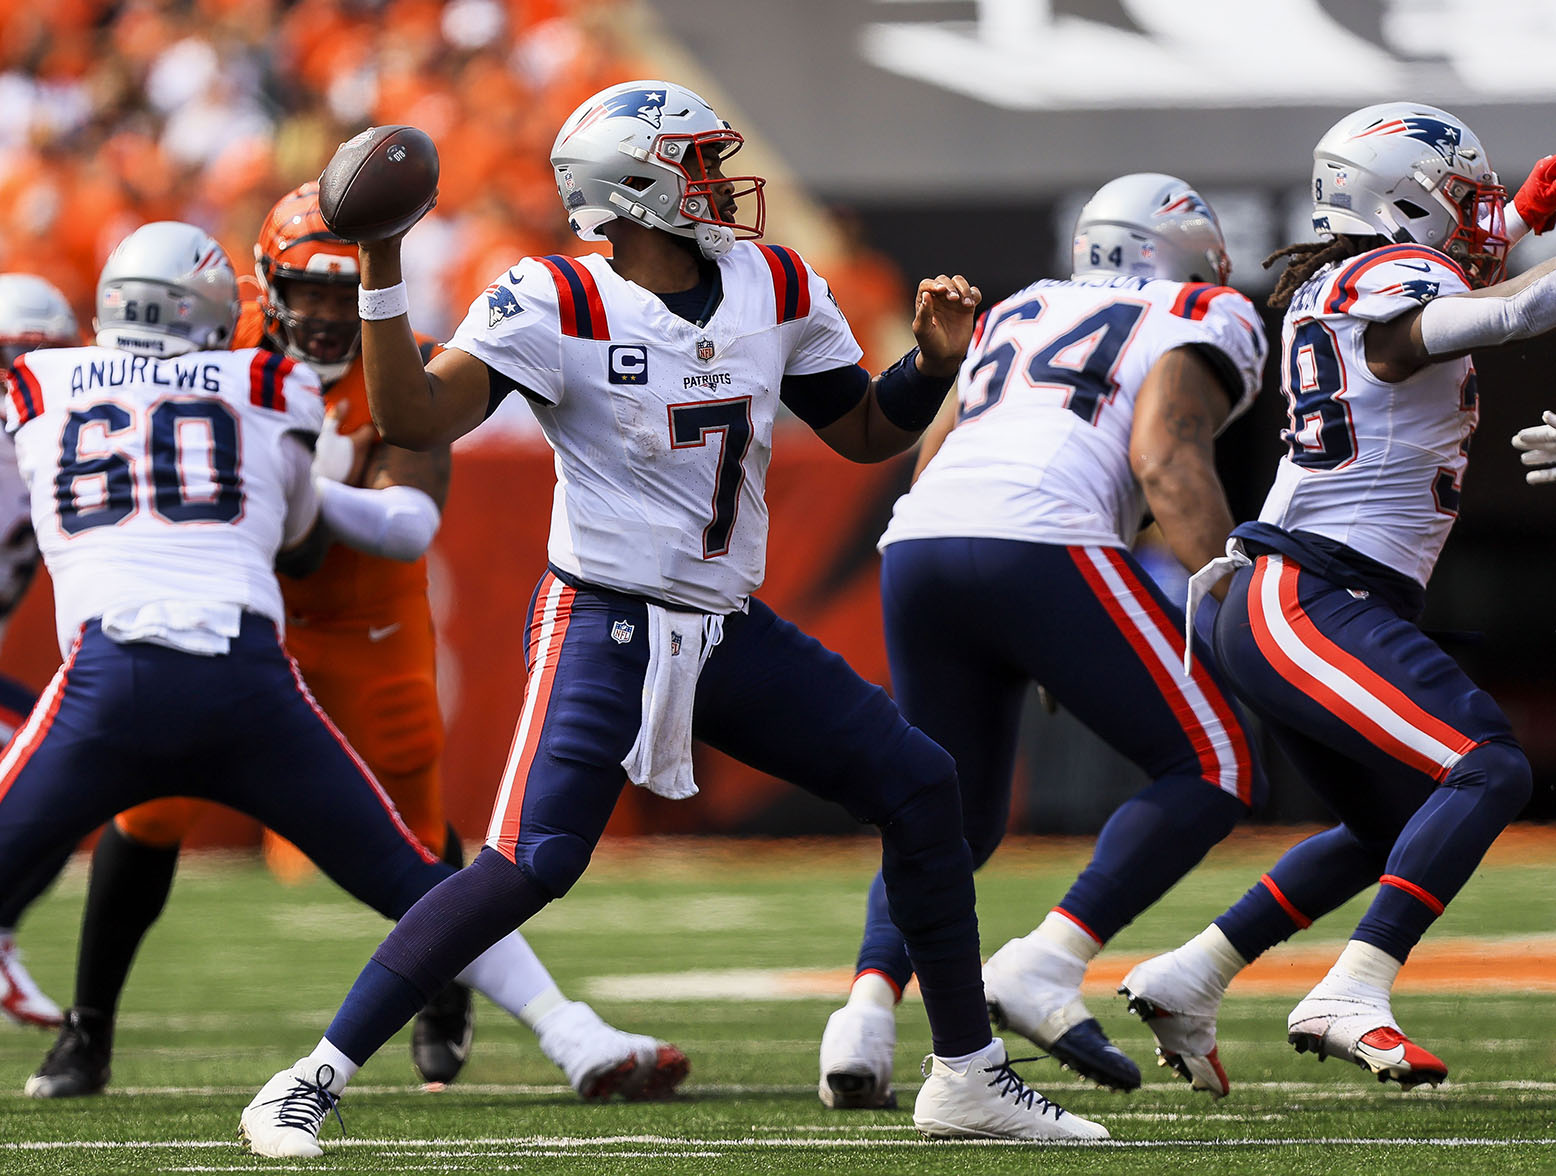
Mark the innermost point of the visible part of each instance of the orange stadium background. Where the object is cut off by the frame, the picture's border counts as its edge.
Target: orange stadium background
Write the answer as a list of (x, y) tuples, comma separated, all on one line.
[(210, 110)]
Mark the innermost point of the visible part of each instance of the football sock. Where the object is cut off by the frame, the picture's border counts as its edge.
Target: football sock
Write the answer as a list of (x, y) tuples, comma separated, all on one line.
[(128, 888), (871, 988), (511, 976), (1151, 840), (439, 938), (1443, 843), (541, 1004), (325, 1054), (1061, 932), (1311, 879), (1371, 965), (881, 949), (453, 847), (1227, 960)]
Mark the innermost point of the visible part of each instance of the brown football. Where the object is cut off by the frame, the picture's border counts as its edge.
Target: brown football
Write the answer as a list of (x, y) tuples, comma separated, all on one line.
[(379, 183)]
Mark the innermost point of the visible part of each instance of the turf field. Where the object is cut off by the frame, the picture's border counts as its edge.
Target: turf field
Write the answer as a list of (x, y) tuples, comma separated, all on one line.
[(738, 951)]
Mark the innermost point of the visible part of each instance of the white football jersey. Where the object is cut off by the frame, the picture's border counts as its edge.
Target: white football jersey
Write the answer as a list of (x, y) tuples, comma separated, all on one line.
[(158, 480), (1372, 465), (1046, 406), (662, 429)]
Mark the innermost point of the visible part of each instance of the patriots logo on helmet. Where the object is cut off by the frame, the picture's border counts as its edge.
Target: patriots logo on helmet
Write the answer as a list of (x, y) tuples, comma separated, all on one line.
[(1441, 137), (1418, 288), (500, 304), (648, 105), (1186, 202)]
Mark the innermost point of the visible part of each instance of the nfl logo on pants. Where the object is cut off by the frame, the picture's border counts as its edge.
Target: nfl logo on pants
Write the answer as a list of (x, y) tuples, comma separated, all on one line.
[(621, 632)]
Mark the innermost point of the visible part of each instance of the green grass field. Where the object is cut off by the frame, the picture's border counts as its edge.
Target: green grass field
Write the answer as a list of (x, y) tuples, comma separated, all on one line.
[(242, 975)]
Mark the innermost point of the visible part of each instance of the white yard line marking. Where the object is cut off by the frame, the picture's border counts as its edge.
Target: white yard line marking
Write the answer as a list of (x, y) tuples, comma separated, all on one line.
[(569, 1145)]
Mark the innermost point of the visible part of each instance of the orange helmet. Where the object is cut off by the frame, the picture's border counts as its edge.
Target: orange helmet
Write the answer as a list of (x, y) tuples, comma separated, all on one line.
[(294, 247)]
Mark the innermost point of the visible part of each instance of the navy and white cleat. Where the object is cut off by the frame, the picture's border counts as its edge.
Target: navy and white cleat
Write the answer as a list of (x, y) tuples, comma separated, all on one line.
[(986, 1099), (283, 1119), (1034, 989)]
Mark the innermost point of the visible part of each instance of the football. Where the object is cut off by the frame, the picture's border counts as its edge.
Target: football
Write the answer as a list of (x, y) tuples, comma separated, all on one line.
[(379, 183)]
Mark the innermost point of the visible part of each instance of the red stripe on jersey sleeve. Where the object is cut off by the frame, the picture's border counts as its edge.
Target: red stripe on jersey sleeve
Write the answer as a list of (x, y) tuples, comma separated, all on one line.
[(1346, 293)]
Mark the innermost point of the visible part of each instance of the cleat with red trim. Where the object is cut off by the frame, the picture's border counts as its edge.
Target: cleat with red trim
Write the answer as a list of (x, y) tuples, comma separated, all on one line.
[(601, 1061), (1178, 995), (1033, 987), (1344, 1018), (986, 1099), (856, 1057), (21, 1000)]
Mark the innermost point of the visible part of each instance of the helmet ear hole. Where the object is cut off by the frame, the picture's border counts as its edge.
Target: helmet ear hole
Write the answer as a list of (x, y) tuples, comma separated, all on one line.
[(1411, 209)]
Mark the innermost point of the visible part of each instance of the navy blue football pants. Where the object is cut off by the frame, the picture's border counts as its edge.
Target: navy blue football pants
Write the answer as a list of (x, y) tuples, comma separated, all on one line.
[(120, 724), (769, 696), (1417, 761), (972, 623)]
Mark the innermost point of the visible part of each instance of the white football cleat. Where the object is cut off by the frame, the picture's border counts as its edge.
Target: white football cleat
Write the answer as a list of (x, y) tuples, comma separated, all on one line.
[(600, 1061), (283, 1119), (1034, 987), (1178, 995), (1345, 1018), (21, 1000), (986, 1099), (856, 1056)]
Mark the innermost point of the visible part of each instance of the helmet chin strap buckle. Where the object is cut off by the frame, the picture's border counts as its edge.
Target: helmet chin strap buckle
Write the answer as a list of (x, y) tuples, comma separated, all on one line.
[(714, 241)]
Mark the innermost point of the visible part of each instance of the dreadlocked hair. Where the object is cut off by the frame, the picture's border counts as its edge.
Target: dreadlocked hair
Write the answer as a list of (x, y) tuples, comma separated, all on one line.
[(1308, 257)]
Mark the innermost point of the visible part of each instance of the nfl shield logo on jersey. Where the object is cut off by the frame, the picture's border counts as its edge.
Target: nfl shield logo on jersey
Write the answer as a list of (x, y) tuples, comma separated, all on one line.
[(704, 349), (621, 632), (675, 644)]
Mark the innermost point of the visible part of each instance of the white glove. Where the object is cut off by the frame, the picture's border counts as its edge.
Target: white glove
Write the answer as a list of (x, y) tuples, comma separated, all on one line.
[(1538, 448), (333, 455)]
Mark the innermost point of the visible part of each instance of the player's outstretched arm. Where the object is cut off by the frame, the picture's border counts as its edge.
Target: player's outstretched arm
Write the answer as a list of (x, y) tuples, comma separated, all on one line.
[(902, 401), (1180, 406), (414, 407), (1451, 326)]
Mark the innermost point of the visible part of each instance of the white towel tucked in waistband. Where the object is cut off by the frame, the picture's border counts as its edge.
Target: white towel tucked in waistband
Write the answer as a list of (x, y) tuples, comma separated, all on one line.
[(190, 626), (678, 646), (1202, 582)]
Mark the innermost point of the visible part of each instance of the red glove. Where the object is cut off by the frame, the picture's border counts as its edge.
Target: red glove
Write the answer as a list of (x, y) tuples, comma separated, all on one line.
[(1536, 200)]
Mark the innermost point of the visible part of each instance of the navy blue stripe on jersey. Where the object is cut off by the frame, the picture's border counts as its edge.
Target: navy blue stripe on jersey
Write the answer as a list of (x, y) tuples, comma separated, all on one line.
[(579, 307), (26, 396), (1346, 291), (1194, 300), (791, 282), (823, 398), (266, 372)]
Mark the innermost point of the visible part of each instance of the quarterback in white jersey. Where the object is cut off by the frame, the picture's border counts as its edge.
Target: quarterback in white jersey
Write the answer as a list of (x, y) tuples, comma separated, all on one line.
[(1080, 403), (662, 467), (1317, 633), (656, 375)]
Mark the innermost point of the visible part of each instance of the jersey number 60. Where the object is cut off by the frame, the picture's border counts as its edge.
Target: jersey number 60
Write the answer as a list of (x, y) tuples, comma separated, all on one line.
[(220, 500)]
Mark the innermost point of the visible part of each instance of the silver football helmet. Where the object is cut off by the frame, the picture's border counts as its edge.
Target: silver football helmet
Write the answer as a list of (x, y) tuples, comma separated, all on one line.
[(1412, 172), (166, 289), (641, 150), (1149, 225), (33, 314)]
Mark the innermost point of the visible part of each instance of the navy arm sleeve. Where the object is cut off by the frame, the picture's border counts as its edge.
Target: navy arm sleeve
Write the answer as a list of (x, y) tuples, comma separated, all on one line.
[(822, 398)]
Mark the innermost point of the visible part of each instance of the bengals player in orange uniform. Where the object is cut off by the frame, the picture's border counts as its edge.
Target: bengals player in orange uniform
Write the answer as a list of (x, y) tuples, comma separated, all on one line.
[(360, 629)]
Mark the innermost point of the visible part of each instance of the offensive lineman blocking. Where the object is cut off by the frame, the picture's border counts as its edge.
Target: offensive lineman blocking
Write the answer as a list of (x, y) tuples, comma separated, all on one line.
[(656, 377)]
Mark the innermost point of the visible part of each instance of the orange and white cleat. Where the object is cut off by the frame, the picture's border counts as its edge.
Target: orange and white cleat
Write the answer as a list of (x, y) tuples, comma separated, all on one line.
[(1178, 995), (1345, 1018), (601, 1061)]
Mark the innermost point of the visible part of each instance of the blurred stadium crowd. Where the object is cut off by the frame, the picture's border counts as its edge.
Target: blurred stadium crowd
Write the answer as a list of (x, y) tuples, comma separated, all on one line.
[(120, 112)]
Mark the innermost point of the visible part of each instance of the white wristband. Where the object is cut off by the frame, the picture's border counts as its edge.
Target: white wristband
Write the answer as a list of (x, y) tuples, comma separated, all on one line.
[(390, 302)]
